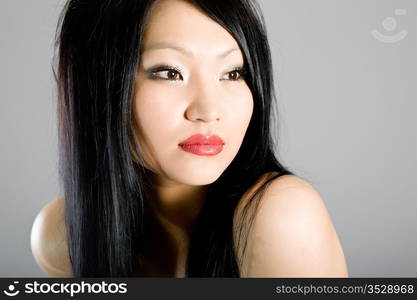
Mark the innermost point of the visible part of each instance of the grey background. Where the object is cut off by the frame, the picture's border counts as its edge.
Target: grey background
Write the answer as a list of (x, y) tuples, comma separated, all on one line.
[(348, 109)]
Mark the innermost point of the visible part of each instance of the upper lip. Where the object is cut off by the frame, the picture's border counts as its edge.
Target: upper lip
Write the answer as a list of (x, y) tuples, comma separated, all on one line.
[(203, 139)]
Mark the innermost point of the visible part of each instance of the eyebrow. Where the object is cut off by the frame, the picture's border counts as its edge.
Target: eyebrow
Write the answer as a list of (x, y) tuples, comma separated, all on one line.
[(167, 45)]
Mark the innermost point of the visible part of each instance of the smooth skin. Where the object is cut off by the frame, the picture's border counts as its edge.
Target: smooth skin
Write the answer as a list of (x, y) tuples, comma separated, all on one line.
[(200, 92), (292, 236)]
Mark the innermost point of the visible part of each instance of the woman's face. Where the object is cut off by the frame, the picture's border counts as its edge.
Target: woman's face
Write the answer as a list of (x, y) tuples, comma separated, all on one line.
[(200, 95)]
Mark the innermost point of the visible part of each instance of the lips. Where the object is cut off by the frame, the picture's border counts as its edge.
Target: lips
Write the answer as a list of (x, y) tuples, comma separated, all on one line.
[(201, 139), (200, 144)]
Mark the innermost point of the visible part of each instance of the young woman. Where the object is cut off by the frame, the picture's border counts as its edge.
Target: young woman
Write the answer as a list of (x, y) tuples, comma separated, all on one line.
[(166, 155)]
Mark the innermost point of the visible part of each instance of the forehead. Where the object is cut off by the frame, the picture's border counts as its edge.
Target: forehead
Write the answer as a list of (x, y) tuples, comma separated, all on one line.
[(179, 23)]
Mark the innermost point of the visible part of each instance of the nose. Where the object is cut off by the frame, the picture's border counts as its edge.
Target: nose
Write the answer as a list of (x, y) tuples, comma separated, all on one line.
[(205, 103)]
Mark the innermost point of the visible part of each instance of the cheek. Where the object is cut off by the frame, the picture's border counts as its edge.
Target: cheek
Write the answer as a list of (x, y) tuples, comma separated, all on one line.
[(241, 112), (156, 118)]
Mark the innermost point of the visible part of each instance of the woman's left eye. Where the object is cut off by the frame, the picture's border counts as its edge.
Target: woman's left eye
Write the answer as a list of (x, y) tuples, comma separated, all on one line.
[(236, 74)]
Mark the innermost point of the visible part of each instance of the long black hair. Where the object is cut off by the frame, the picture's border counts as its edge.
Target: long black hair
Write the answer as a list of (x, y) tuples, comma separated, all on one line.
[(105, 190)]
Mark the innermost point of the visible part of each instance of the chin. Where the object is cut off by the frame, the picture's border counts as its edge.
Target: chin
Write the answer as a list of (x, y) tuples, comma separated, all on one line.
[(196, 176)]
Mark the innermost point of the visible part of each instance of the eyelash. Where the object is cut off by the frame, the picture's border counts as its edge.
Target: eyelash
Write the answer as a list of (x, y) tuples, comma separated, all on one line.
[(240, 70)]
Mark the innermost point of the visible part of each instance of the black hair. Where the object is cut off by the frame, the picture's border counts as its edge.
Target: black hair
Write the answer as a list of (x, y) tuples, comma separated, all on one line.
[(106, 191)]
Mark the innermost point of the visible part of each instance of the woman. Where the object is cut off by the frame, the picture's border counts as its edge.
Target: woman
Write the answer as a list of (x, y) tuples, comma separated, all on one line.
[(166, 155)]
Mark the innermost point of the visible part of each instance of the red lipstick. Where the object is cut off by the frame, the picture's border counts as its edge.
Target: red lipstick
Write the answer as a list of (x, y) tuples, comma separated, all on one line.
[(200, 144)]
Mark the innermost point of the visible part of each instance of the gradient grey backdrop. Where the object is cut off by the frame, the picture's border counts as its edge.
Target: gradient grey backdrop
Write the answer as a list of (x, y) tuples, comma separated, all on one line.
[(348, 108)]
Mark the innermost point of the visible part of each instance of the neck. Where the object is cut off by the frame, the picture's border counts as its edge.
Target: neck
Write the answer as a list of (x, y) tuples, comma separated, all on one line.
[(176, 207)]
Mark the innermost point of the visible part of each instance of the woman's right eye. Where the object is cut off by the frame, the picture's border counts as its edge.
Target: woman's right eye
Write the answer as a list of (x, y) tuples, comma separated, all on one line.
[(169, 74)]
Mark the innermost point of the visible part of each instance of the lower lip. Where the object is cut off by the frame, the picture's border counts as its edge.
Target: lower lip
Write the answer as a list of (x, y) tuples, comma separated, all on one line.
[(200, 149)]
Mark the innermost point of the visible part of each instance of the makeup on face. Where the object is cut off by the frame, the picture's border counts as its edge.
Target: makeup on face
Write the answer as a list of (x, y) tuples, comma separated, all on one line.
[(192, 102), (204, 145)]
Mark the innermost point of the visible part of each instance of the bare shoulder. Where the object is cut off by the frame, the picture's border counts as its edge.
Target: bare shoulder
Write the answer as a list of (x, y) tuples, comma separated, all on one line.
[(292, 234), (48, 240), (244, 209)]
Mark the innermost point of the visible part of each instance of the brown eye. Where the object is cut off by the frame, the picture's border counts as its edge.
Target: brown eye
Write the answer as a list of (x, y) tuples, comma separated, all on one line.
[(165, 73), (170, 74), (234, 75)]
